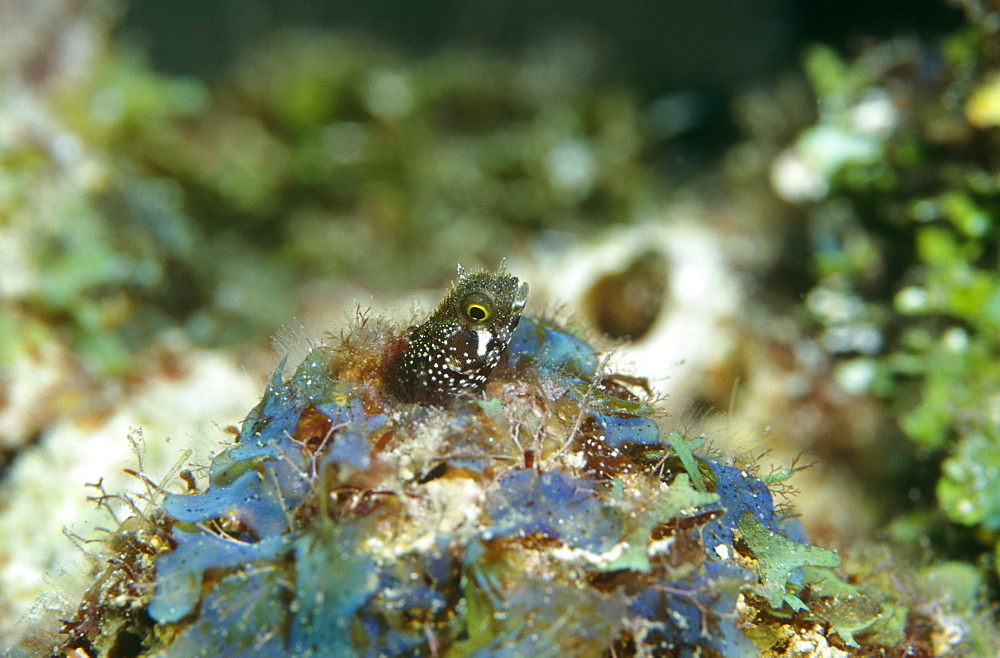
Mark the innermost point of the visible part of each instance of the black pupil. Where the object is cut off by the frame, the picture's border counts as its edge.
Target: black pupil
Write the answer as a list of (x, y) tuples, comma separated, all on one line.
[(477, 313)]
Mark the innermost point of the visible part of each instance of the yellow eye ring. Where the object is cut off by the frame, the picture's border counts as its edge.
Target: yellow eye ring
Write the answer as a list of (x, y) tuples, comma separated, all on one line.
[(477, 312), (477, 307)]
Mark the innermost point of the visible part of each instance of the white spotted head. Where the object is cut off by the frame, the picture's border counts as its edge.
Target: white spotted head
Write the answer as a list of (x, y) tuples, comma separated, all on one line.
[(457, 348)]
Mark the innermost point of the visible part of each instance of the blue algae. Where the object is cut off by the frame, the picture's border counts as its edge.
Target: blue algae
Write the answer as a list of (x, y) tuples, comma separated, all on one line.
[(276, 408), (242, 615), (265, 434), (739, 493), (713, 588), (253, 499), (179, 572), (524, 502), (680, 625), (345, 411), (558, 353), (312, 378), (617, 430), (551, 349), (258, 483), (346, 603), (511, 613), (351, 450), (332, 581)]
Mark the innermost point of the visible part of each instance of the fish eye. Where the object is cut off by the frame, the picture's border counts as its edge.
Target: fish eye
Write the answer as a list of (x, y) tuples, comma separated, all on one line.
[(477, 308)]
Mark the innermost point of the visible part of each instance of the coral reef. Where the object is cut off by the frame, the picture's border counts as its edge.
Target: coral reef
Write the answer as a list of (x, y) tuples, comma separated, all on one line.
[(546, 515)]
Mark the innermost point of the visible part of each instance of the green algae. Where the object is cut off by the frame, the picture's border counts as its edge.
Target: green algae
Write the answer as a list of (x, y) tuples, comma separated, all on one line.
[(778, 557), (902, 234)]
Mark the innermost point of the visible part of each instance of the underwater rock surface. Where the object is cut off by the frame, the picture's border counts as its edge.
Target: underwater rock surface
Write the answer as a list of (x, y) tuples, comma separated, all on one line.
[(546, 515)]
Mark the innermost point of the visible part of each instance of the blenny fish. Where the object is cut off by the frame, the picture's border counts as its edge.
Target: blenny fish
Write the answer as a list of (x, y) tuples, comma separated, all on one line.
[(456, 349)]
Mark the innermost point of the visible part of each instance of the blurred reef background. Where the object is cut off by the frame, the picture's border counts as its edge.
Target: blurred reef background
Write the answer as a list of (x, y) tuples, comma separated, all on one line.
[(785, 217)]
